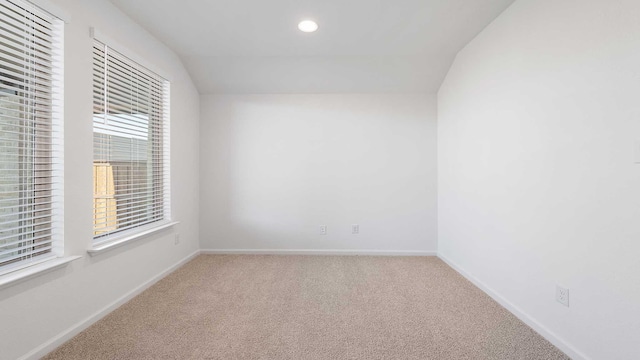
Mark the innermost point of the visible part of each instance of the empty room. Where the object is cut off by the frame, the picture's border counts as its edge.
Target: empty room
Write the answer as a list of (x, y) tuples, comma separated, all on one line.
[(320, 179)]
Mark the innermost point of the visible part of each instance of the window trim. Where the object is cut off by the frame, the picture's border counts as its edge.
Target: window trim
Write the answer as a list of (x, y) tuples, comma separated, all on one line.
[(129, 236), (34, 269)]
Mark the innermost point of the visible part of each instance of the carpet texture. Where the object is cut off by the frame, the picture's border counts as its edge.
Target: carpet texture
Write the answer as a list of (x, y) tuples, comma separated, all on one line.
[(310, 307)]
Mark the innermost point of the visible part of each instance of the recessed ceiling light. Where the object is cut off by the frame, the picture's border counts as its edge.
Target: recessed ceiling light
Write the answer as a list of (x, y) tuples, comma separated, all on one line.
[(308, 26)]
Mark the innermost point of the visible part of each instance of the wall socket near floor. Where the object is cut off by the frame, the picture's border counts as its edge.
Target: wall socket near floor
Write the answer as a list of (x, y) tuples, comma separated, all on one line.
[(355, 229), (562, 295), (176, 239), (323, 229), (636, 152)]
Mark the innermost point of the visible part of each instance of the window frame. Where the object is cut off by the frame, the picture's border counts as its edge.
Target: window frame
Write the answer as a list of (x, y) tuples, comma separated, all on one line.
[(101, 243), (54, 125)]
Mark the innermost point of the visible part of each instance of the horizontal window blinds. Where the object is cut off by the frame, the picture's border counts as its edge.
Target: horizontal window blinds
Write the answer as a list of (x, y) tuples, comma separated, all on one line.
[(31, 56), (130, 144)]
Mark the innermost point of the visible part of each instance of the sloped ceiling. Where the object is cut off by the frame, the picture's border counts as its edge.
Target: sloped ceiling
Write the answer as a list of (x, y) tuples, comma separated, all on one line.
[(362, 46)]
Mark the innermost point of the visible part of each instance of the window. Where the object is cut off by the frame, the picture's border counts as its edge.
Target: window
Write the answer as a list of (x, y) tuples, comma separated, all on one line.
[(130, 145), (31, 56)]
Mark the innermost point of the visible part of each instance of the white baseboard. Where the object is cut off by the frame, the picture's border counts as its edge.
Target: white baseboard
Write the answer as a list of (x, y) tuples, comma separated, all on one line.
[(317, 252), (63, 337), (561, 344)]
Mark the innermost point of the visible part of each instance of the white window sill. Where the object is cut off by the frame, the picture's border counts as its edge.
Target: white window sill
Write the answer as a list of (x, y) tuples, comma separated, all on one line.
[(29, 272), (125, 239)]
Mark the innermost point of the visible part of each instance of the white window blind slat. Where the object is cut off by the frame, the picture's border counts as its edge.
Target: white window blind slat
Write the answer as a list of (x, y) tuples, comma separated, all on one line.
[(20, 130), (6, 147), (133, 217), (130, 226), (122, 62), (40, 23), (18, 59), (135, 207), (31, 224), (39, 34), (38, 250), (15, 244), (35, 44), (37, 105), (128, 75), (129, 120), (131, 157), (36, 90), (25, 213), (52, 141), (14, 19), (39, 15), (9, 76), (16, 253), (31, 73), (38, 114), (5, 202)]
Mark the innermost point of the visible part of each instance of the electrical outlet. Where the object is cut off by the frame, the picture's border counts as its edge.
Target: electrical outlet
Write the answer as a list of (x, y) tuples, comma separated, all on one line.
[(176, 239), (637, 152), (323, 229), (355, 229), (562, 295)]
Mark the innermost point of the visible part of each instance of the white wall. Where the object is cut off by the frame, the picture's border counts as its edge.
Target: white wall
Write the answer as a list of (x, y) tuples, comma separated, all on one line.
[(35, 312), (275, 167), (538, 117)]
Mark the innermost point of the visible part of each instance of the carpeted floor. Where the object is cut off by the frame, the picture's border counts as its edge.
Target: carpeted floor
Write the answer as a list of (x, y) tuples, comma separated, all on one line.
[(310, 307)]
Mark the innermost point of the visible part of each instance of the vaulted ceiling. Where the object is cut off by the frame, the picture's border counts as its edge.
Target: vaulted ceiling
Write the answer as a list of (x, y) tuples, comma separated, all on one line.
[(364, 46)]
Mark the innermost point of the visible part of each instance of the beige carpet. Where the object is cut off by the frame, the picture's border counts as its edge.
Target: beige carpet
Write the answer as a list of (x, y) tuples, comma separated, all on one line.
[(310, 307)]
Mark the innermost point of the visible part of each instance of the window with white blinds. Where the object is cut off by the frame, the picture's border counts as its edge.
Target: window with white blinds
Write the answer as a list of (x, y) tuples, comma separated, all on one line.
[(130, 145), (31, 201)]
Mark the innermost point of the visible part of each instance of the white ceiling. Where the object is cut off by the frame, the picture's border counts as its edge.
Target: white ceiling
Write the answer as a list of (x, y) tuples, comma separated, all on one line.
[(254, 46)]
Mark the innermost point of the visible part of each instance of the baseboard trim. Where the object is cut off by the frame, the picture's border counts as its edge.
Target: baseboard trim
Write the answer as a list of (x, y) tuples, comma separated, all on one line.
[(316, 252), (66, 335), (560, 343)]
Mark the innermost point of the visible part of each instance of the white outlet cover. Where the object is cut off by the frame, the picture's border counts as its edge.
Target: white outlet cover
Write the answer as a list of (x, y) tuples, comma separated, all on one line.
[(323, 229), (562, 295), (636, 149)]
